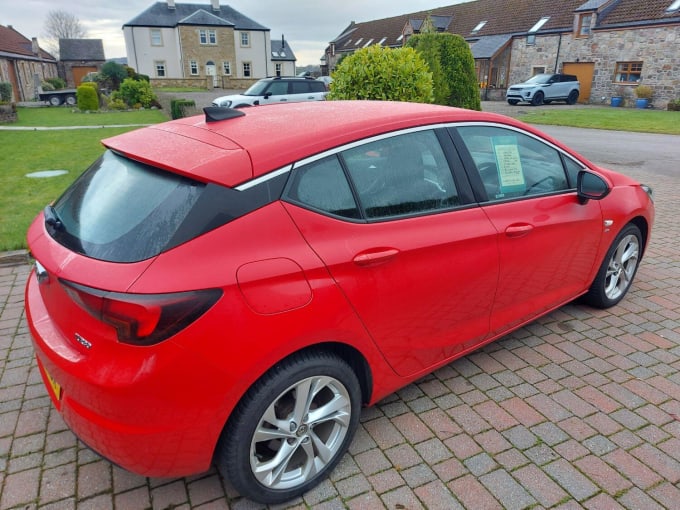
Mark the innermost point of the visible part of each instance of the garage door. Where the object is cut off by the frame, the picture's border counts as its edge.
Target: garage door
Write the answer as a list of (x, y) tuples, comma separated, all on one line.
[(584, 71), (80, 72)]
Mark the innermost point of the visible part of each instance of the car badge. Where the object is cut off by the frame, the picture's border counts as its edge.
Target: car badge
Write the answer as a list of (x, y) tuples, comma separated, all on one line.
[(83, 342)]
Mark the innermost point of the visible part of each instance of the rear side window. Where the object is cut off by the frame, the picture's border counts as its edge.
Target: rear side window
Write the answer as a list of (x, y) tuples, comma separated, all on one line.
[(317, 86)]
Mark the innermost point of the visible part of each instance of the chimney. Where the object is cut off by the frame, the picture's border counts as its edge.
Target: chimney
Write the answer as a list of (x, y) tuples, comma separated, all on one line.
[(171, 4), (34, 46), (215, 5)]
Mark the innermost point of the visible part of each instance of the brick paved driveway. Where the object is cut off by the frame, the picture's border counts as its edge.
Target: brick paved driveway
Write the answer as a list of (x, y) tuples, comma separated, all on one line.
[(581, 409)]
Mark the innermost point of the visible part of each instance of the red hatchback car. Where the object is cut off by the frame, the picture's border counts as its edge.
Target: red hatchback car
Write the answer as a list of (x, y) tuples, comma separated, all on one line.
[(233, 288)]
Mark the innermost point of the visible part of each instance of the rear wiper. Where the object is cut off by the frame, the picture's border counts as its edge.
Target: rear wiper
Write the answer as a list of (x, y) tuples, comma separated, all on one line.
[(52, 218)]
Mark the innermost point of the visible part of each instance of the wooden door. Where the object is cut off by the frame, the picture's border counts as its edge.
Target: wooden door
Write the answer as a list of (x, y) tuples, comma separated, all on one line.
[(80, 72), (584, 71)]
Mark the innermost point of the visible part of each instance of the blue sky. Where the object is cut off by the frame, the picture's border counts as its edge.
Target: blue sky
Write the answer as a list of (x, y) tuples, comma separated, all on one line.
[(308, 25)]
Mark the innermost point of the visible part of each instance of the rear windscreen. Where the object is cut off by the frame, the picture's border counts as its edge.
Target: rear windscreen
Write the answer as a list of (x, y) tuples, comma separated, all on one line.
[(123, 211), (120, 210)]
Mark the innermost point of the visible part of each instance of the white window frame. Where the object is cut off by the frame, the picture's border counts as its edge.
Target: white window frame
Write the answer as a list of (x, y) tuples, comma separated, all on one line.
[(279, 69), (226, 68), (161, 68), (247, 68), (245, 39), (207, 37), (193, 67), (156, 36)]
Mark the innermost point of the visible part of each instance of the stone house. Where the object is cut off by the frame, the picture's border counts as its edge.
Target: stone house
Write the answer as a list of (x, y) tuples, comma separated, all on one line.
[(77, 57), (611, 45), (185, 44), (24, 64)]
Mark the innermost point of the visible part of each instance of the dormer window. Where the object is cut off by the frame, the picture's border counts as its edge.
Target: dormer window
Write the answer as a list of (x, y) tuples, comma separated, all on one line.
[(479, 26), (584, 21)]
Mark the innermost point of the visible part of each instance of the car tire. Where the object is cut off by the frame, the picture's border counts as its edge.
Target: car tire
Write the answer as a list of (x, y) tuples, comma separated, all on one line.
[(54, 100), (573, 97), (513, 102), (618, 269), (308, 406), (537, 100), (547, 101), (70, 100)]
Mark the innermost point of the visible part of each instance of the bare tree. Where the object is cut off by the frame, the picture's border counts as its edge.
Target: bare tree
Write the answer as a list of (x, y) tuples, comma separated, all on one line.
[(61, 25)]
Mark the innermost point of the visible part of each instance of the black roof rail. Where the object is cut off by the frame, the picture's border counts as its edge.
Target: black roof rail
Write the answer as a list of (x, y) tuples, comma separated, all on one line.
[(218, 113)]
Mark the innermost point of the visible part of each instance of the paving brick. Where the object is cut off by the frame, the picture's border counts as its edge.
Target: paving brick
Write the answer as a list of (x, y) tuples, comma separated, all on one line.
[(386, 480), (136, 499), (540, 485), (469, 491), (522, 412), (608, 478), (636, 498), (462, 446), (506, 489), (412, 428), (20, 488), (372, 461), (384, 433), (368, 501), (658, 461), (571, 480), (440, 423), (403, 497), (436, 496), (632, 468)]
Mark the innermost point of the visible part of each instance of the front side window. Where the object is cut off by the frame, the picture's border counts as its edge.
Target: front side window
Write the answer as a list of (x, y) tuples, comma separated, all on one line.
[(156, 38), (193, 65), (247, 72), (245, 39), (401, 175), (160, 69), (512, 164), (628, 72)]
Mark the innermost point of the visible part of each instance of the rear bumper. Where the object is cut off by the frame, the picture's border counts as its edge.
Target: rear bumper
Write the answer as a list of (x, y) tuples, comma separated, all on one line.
[(141, 411)]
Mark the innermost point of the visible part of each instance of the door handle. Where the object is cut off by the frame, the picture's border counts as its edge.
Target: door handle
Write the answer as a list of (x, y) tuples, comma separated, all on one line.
[(372, 258), (519, 230)]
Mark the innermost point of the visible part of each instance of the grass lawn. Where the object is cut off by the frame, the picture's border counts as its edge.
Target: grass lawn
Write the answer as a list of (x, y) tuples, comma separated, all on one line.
[(25, 152), (617, 119), (66, 116)]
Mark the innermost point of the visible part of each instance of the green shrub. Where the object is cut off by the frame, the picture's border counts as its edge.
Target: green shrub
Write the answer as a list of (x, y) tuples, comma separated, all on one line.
[(674, 105), (384, 74), (87, 98), (456, 65), (57, 83), (137, 92), (112, 75), (177, 107), (46, 86), (5, 91), (117, 104)]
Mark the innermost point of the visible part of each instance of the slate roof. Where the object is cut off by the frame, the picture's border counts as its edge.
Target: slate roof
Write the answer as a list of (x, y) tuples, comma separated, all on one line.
[(81, 49), (278, 56), (514, 17), (159, 15), (489, 45), (13, 44)]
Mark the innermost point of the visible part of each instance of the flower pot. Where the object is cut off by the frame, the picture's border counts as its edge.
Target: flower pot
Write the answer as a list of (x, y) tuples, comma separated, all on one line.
[(616, 101), (641, 103)]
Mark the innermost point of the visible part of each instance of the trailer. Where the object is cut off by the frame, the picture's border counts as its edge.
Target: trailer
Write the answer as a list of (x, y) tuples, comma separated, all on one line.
[(58, 97)]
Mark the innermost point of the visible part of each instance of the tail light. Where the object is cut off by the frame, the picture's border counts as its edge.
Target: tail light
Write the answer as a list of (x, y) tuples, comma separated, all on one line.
[(143, 319)]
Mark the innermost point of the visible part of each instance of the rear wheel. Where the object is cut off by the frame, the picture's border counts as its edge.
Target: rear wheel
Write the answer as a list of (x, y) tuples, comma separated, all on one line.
[(573, 97), (537, 99), (291, 428), (70, 100), (513, 102), (54, 100), (618, 269)]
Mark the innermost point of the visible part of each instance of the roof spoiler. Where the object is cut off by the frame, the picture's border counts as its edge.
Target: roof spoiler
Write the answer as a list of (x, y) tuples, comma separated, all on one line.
[(217, 113)]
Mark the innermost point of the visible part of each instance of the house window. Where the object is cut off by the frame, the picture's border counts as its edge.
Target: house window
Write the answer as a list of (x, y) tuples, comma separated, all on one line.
[(226, 68), (193, 65), (279, 69), (628, 72), (247, 70), (537, 70), (245, 39), (531, 39), (160, 68), (207, 36), (156, 38), (584, 25)]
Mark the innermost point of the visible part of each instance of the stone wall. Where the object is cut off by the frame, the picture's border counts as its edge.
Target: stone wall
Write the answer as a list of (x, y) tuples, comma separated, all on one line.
[(198, 82), (8, 113), (223, 51)]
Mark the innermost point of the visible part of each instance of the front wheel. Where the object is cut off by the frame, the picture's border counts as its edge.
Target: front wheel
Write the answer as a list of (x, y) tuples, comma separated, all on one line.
[(573, 97), (618, 269), (291, 428), (70, 100), (54, 100), (537, 100)]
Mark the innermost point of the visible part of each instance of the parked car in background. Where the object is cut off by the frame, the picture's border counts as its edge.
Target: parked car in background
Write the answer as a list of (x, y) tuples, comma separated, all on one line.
[(279, 89), (234, 288), (327, 80), (544, 89)]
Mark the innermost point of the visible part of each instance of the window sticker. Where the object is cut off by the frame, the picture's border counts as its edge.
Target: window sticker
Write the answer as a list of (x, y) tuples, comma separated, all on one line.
[(509, 164)]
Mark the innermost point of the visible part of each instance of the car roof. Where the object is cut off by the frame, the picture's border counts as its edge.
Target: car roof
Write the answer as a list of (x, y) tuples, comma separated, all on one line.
[(270, 137)]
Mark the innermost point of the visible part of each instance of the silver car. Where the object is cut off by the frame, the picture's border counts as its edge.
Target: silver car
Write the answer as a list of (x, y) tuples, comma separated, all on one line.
[(545, 88), (279, 89)]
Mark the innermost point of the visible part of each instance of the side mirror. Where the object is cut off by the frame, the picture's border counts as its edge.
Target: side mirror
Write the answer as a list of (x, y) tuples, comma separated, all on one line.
[(590, 187), (267, 95)]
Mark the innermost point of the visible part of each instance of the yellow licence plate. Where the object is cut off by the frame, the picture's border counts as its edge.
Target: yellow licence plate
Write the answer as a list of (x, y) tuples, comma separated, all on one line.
[(56, 388)]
